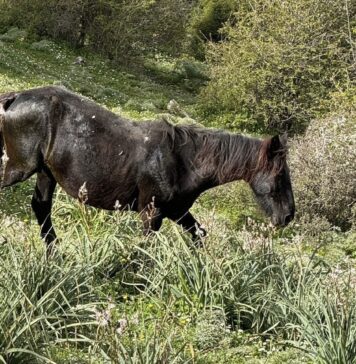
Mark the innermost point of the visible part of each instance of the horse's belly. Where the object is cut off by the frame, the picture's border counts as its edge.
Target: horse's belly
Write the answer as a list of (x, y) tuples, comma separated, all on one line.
[(105, 192), (101, 177), (113, 202)]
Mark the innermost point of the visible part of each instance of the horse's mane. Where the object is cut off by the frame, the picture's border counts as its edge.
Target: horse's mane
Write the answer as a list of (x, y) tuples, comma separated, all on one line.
[(230, 156), (272, 165)]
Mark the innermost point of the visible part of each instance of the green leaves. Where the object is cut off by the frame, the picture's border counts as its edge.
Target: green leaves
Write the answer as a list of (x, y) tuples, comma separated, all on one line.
[(41, 302), (279, 61), (120, 30)]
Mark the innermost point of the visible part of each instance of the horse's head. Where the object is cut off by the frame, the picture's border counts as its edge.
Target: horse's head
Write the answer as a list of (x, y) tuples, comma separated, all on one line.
[(271, 181)]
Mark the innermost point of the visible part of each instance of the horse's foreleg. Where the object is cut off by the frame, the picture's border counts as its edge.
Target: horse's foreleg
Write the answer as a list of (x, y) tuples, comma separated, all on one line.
[(188, 222), (42, 204)]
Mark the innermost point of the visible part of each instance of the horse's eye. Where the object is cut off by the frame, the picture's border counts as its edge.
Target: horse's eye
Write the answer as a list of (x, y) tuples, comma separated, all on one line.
[(265, 189)]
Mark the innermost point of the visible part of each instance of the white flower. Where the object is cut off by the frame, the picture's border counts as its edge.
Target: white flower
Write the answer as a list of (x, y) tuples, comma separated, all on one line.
[(103, 318), (83, 193), (122, 325)]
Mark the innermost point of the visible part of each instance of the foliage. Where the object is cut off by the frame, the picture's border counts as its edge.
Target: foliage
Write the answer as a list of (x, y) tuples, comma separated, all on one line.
[(42, 304), (207, 19), (117, 29), (327, 328), (115, 295), (251, 294), (13, 34), (280, 60), (211, 329), (323, 173)]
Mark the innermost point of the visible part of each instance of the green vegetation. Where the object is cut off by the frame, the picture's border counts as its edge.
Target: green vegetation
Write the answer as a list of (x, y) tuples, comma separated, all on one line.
[(129, 90), (111, 295), (273, 65), (280, 61), (208, 17), (324, 174), (107, 27), (252, 294)]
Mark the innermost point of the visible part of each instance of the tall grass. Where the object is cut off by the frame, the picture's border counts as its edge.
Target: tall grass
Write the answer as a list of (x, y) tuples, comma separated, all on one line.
[(118, 297), (260, 291), (42, 303), (326, 329)]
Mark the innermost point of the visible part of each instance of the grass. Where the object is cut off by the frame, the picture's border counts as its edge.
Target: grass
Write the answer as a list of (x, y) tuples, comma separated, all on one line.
[(130, 91), (251, 294)]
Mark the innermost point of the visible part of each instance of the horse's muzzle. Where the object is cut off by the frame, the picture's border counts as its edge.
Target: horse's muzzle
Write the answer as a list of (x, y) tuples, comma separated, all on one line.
[(282, 221)]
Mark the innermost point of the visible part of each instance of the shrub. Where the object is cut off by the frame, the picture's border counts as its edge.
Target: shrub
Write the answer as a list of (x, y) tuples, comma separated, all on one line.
[(279, 59), (116, 29), (43, 45), (207, 19), (211, 329), (323, 173), (137, 27), (13, 35)]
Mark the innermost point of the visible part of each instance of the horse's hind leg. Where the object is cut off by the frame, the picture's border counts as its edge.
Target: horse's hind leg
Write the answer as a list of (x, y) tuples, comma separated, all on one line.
[(42, 204)]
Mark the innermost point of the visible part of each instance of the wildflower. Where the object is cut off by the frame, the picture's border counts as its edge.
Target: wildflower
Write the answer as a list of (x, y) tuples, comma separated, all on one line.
[(103, 317), (135, 320), (117, 205), (83, 193), (122, 325)]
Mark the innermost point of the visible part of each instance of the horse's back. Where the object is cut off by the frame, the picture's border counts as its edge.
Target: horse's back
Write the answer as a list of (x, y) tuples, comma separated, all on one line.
[(82, 143)]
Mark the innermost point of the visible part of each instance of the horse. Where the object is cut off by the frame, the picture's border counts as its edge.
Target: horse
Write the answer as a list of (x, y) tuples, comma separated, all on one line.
[(152, 167)]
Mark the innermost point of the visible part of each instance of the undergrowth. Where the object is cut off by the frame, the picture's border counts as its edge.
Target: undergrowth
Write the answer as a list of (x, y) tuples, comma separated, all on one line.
[(109, 294), (250, 294)]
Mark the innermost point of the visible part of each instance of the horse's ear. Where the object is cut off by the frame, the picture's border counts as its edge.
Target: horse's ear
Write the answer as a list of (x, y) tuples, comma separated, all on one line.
[(276, 145), (284, 139)]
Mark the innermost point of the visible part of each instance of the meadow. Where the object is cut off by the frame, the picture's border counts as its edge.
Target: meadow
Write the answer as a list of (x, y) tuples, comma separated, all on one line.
[(251, 294)]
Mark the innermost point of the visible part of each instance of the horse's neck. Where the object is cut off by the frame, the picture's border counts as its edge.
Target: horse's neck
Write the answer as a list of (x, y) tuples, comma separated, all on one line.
[(224, 158)]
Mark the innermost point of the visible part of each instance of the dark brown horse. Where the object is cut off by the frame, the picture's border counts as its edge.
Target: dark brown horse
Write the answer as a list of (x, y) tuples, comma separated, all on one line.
[(155, 168)]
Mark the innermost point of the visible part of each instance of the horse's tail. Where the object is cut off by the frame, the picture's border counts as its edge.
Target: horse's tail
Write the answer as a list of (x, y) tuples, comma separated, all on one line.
[(5, 102), (7, 99)]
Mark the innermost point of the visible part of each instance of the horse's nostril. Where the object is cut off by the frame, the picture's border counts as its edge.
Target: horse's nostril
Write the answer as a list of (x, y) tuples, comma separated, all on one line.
[(288, 219)]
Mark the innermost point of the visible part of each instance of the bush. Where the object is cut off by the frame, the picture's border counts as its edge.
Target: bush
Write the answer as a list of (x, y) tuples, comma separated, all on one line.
[(323, 172), (116, 29), (13, 35), (207, 19), (211, 329), (137, 27), (279, 60), (43, 45)]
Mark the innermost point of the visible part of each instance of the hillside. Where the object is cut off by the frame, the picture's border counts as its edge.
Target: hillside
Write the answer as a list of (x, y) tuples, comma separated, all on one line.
[(251, 294)]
